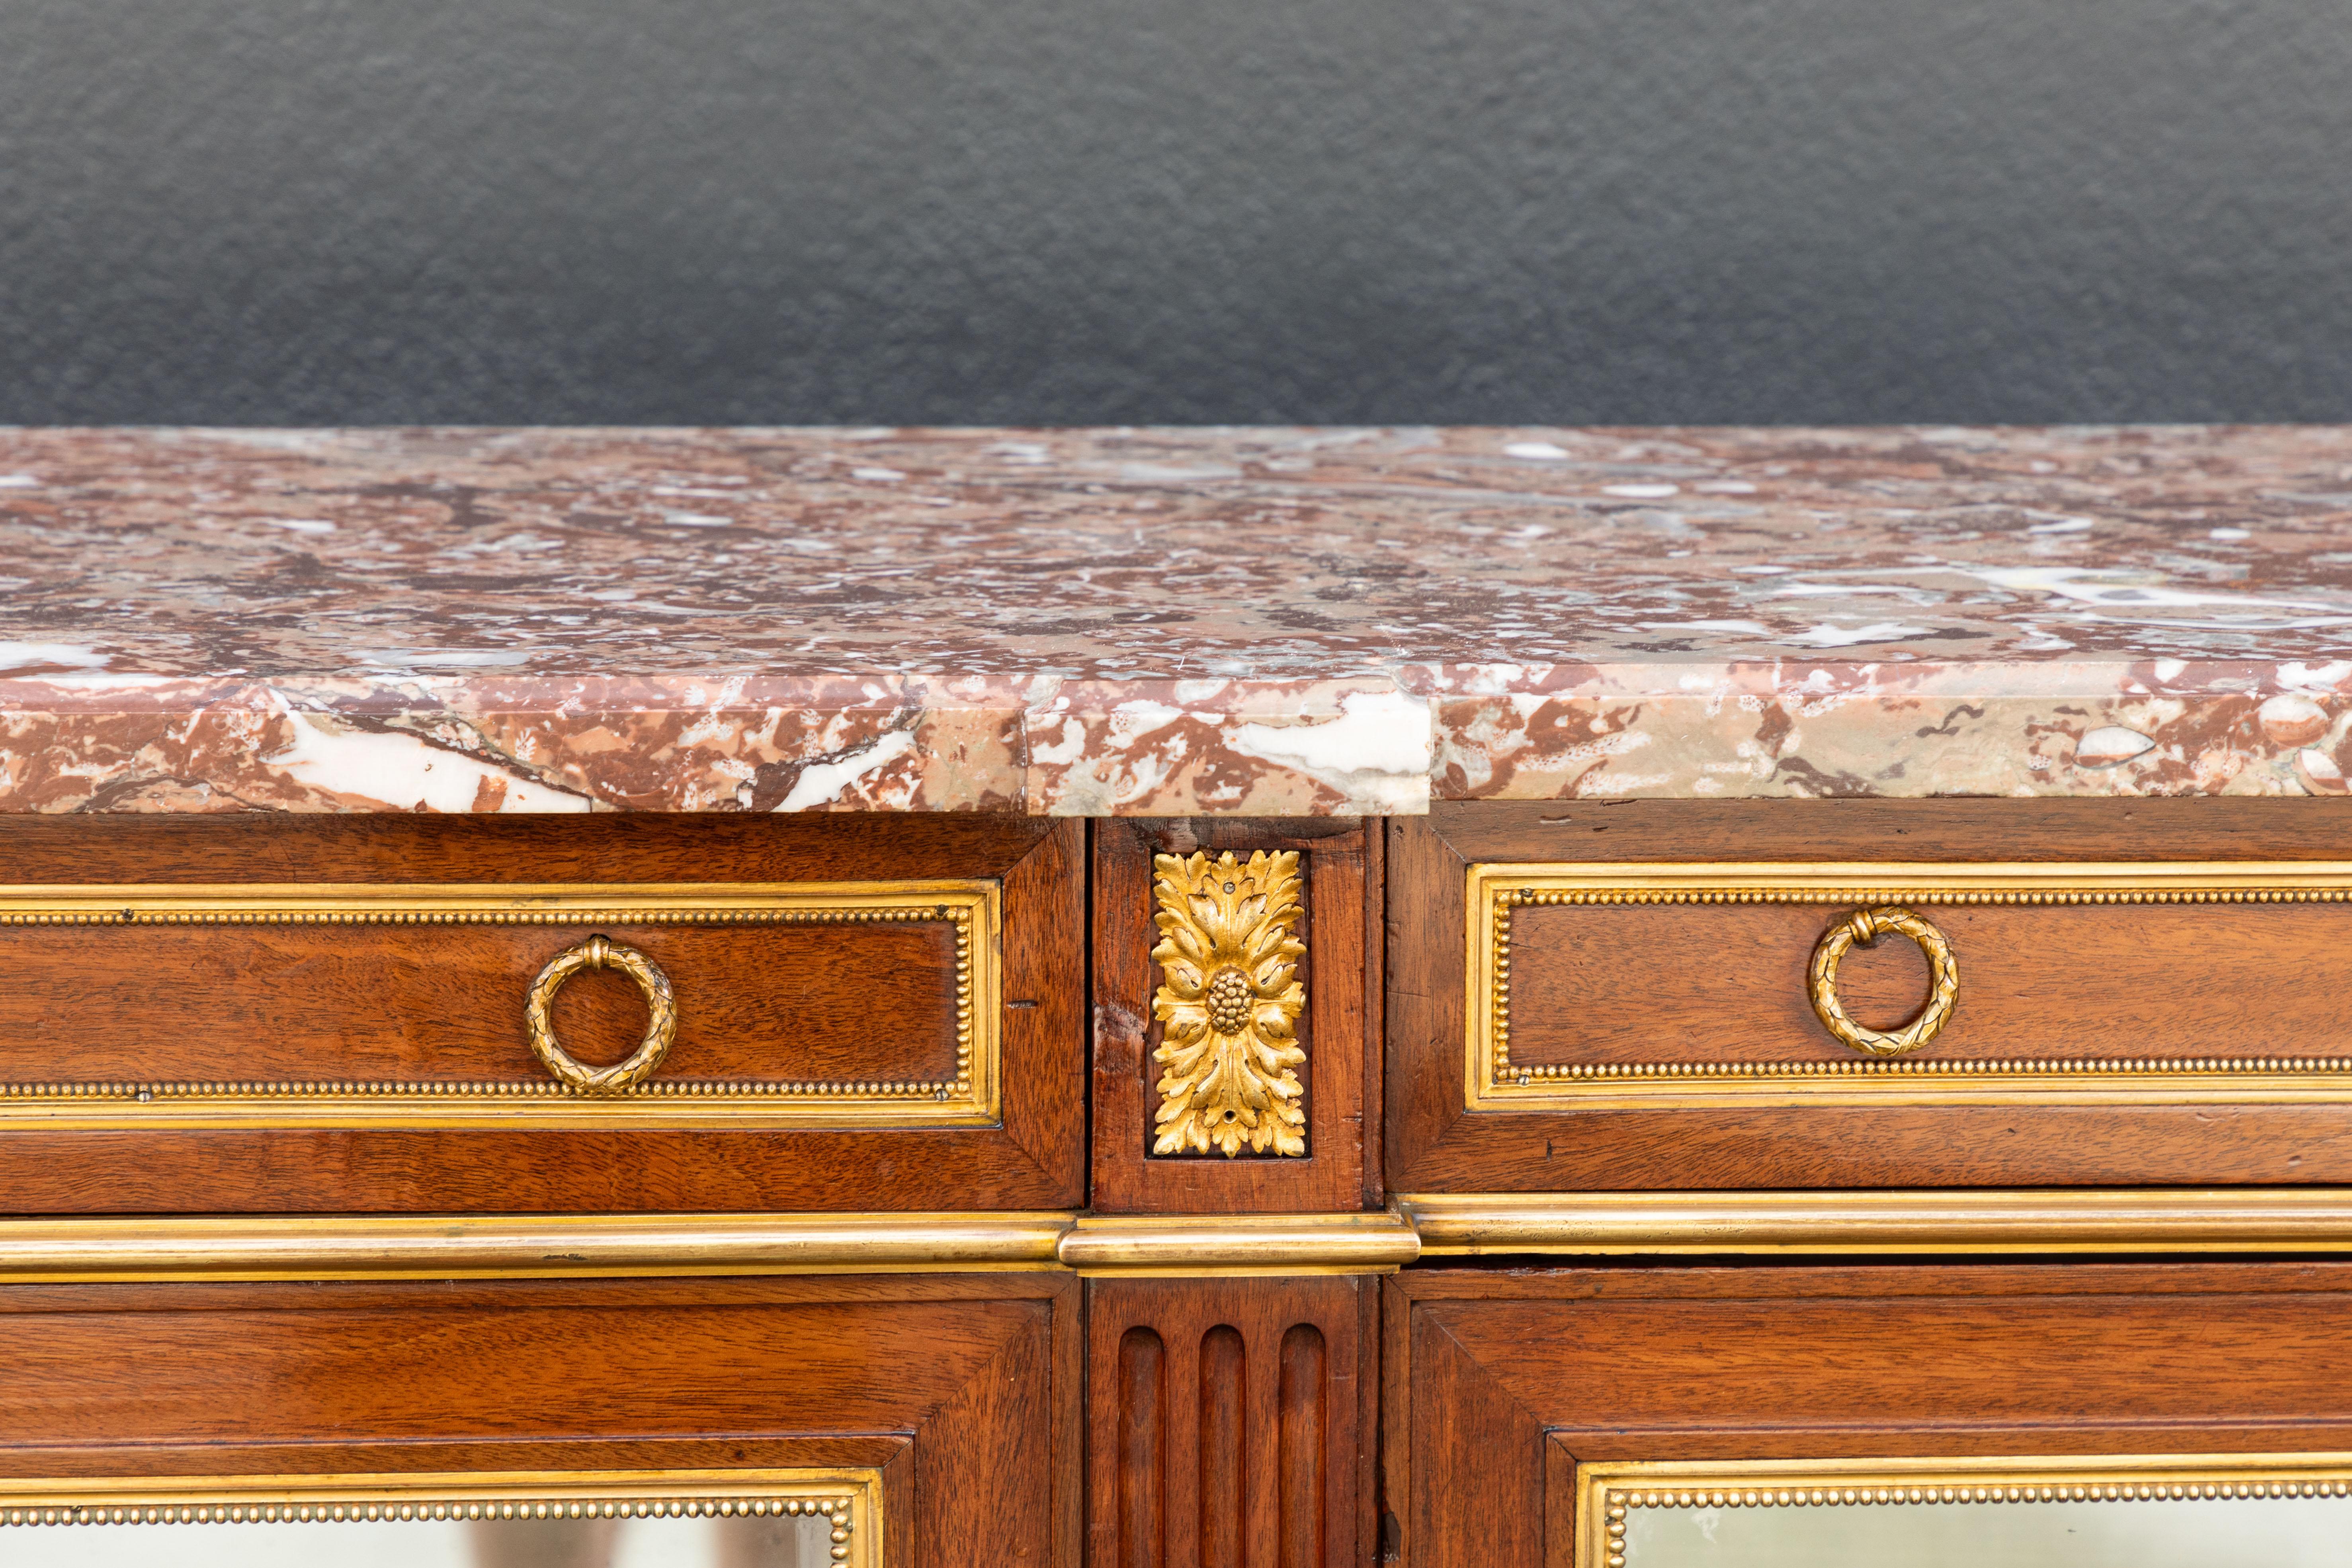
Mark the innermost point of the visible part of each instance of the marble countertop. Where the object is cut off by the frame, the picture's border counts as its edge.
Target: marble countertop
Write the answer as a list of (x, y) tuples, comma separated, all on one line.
[(1165, 622)]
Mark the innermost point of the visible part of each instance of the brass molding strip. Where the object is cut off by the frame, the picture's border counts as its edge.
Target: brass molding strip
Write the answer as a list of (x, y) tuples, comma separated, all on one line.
[(972, 1097), (2027, 1220), (846, 1502), (1609, 1493), (1374, 1243), (447, 1246), (536, 1246), (1420, 1227), (1495, 1079)]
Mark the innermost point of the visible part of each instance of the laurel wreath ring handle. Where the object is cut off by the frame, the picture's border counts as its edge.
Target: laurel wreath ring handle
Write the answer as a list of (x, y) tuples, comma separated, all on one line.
[(661, 1024), (1865, 927)]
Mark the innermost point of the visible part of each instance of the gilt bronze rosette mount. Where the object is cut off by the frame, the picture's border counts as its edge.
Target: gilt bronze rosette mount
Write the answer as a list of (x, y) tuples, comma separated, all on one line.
[(1229, 999)]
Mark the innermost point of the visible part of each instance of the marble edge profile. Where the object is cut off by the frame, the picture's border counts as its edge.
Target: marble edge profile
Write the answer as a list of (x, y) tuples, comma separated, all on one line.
[(1382, 743)]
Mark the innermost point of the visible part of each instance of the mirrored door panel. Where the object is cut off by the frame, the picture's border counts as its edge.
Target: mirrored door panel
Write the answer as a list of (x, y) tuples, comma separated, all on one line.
[(633, 1519), (806, 1541), (2291, 1533), (2156, 1513)]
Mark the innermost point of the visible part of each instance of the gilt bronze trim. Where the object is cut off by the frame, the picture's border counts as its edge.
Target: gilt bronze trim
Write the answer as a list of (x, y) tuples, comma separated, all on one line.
[(1493, 1079), (1608, 1492), (1928, 1222), (972, 1097), (850, 1499)]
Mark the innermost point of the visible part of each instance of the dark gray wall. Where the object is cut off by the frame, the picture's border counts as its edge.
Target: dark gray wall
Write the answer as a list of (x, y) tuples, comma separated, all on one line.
[(1062, 211)]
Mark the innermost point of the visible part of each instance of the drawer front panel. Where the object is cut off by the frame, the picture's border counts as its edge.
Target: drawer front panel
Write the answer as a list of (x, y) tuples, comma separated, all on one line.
[(1659, 985), (1529, 1415), (846, 1005), (1670, 994), (249, 1014)]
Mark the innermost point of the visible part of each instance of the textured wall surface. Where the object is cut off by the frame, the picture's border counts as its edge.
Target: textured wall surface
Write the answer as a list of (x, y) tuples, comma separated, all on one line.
[(956, 211)]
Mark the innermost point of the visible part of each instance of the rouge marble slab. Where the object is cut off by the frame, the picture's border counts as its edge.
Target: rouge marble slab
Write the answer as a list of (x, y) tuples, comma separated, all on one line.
[(1165, 622)]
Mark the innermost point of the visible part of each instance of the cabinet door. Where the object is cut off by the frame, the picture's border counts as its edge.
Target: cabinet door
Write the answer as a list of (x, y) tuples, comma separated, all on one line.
[(927, 1420), (1680, 1418)]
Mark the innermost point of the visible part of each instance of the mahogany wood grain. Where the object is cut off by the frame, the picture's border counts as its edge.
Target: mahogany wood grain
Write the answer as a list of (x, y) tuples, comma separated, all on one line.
[(1231, 1422), (1500, 1382), (445, 1003), (966, 1389), (1302, 1441), (1425, 1017), (1373, 1119), (851, 998), (1222, 1477), (1726, 983), (2044, 828), (1340, 984), (601, 847), (1693, 982), (1140, 1457)]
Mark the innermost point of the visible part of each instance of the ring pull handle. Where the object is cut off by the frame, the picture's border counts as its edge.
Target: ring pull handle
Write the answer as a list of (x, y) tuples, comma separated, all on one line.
[(1865, 927), (661, 1024)]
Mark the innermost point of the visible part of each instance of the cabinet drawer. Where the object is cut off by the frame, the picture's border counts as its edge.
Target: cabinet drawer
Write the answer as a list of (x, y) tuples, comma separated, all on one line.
[(658, 1041), (482, 1006), (1577, 1418), (1864, 1022)]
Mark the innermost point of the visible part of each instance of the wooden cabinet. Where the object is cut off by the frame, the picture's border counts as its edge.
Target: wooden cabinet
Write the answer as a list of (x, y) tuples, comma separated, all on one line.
[(540, 984), (1540, 1189)]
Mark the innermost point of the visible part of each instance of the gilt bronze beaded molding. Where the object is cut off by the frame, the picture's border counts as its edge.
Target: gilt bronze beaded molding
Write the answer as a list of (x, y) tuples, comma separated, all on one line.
[(1494, 1080), (846, 1502), (1609, 1493), (972, 1097)]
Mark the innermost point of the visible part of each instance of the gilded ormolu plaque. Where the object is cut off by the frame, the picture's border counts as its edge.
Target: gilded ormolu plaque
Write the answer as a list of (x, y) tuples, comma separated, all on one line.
[(2282, 1511), (791, 1004), (1596, 986), (1229, 999), (797, 1518)]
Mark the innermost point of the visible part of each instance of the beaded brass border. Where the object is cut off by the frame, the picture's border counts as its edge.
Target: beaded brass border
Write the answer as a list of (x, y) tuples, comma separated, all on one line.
[(1492, 1081), (849, 1498), (973, 1097), (1607, 1493)]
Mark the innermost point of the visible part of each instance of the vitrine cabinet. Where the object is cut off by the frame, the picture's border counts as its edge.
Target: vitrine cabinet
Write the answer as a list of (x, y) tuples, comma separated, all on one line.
[(1174, 999)]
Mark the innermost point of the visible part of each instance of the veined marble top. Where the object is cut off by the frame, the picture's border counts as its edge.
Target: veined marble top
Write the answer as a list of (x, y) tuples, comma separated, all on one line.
[(1165, 622)]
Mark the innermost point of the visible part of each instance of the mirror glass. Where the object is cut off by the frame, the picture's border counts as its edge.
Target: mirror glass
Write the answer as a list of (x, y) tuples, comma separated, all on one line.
[(806, 1541), (2152, 1533)]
